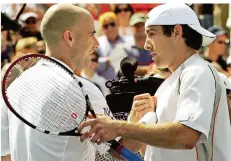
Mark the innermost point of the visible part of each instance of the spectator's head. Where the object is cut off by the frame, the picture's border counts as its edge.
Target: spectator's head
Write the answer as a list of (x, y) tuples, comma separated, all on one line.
[(173, 31), (137, 23), (30, 21), (109, 25), (123, 12), (25, 46), (41, 47), (68, 32), (219, 46)]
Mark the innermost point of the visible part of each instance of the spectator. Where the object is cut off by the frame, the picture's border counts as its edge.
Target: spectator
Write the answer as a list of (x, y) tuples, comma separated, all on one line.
[(30, 29), (215, 51), (206, 15), (124, 12), (144, 57), (23, 46), (221, 15), (91, 74), (137, 50), (41, 47), (13, 9), (6, 48), (145, 8), (108, 41)]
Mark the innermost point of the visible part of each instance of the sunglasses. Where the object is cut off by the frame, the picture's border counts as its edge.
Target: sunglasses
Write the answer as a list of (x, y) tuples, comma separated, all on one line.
[(118, 10), (112, 24), (30, 21), (226, 42)]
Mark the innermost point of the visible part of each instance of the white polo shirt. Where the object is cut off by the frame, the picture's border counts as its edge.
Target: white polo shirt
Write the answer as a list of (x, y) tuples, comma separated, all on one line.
[(27, 144), (187, 97)]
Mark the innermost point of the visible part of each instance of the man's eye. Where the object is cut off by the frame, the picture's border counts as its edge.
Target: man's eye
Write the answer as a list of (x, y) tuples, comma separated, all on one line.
[(151, 34)]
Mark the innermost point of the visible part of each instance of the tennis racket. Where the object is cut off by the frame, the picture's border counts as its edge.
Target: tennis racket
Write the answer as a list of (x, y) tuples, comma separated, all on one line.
[(46, 95)]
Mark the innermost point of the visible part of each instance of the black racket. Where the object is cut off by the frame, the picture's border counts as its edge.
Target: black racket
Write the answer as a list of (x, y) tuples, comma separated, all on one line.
[(46, 95)]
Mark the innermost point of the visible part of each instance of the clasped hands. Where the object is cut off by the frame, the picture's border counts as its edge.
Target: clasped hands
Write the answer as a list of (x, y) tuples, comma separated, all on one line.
[(104, 128)]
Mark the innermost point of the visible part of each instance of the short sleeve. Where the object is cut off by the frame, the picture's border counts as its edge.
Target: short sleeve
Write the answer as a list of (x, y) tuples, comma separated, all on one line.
[(196, 99)]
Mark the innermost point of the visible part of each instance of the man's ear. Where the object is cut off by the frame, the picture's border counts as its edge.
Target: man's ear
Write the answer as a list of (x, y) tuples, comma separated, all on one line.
[(178, 32), (68, 37)]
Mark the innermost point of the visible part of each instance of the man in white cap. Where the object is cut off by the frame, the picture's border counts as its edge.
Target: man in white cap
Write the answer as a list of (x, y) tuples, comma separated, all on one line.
[(192, 120), (30, 28)]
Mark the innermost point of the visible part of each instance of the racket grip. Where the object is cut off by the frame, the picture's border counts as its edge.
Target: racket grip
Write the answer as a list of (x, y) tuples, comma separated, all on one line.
[(124, 152)]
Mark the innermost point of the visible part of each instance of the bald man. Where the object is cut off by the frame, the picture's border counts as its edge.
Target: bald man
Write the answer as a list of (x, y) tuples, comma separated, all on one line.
[(68, 32)]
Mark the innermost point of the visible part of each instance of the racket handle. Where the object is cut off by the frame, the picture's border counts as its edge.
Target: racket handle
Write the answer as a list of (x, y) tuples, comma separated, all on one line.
[(124, 152)]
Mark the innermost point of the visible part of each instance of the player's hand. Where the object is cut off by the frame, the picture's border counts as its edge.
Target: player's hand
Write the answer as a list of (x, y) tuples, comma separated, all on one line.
[(102, 129), (142, 104)]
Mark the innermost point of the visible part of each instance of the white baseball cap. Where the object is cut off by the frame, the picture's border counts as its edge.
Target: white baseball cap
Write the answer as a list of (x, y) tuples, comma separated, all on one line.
[(173, 14), (27, 15)]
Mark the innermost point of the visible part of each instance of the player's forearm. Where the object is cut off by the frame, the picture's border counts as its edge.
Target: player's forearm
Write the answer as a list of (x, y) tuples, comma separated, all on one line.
[(166, 135), (132, 145)]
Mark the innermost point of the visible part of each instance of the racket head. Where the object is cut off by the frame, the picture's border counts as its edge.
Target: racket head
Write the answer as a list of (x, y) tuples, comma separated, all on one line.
[(65, 120)]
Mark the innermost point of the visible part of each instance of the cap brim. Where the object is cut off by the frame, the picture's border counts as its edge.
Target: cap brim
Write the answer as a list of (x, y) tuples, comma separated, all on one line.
[(222, 32), (132, 23), (208, 37)]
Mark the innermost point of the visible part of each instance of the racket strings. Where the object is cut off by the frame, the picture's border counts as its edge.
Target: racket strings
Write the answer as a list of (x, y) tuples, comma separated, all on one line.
[(55, 99), (35, 114), (28, 113), (27, 104), (48, 113), (22, 68)]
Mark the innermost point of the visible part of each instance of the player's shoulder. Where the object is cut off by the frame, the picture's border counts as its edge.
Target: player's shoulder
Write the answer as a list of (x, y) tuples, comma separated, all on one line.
[(197, 68)]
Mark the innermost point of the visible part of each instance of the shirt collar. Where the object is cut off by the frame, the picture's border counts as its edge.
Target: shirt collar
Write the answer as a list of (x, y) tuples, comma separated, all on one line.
[(64, 64), (61, 62)]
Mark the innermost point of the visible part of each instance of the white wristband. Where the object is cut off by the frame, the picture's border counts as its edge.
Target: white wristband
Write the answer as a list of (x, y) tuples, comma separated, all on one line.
[(149, 118)]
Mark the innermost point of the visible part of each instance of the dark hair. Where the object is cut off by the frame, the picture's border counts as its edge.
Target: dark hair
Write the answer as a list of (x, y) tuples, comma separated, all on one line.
[(116, 9), (192, 38)]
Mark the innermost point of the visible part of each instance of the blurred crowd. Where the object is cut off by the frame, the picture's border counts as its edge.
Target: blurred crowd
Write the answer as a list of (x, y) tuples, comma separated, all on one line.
[(120, 32)]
